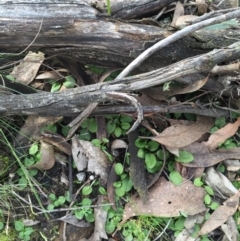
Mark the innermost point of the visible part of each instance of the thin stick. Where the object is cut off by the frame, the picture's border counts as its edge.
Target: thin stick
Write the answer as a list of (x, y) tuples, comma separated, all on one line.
[(176, 36)]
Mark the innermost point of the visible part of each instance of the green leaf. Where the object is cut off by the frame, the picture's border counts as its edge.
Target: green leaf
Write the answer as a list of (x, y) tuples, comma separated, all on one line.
[(150, 160), (86, 202), (85, 123), (152, 145), (111, 126), (69, 82), (214, 129), (10, 77), (126, 118), (96, 142), (92, 125), (175, 177), (198, 182), (52, 197), (156, 168), (117, 184), (61, 200), (179, 224), (50, 207), (56, 87), (127, 184), (213, 205), (102, 191), (140, 143), (51, 127), (141, 153), (118, 168), (1, 225), (177, 115), (19, 225), (33, 148), (220, 122), (79, 214), (118, 132), (110, 227), (56, 203), (65, 130), (28, 231), (86, 190), (209, 190), (207, 199), (90, 217), (185, 157), (84, 135), (125, 126), (160, 154), (22, 182), (120, 191)]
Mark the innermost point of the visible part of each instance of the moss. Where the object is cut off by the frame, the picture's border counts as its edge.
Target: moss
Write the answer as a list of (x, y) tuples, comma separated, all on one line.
[(11, 236)]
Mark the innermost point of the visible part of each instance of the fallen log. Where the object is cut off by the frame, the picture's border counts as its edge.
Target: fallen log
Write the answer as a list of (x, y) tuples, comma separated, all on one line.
[(78, 30)]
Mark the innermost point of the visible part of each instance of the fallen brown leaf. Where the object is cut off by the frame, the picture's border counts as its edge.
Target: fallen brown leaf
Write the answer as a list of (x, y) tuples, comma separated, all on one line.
[(178, 136), (167, 200), (26, 71), (192, 88), (221, 214), (89, 157), (221, 135), (179, 11), (47, 160), (203, 157)]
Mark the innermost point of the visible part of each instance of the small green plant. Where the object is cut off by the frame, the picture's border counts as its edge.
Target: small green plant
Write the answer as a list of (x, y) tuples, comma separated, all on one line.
[(209, 193), (113, 219), (102, 145), (118, 125), (88, 127), (85, 210), (69, 82), (24, 233), (55, 202), (150, 152)]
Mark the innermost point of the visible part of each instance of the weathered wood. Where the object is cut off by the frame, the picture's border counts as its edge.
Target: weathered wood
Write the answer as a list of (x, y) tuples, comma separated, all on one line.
[(69, 101), (76, 29)]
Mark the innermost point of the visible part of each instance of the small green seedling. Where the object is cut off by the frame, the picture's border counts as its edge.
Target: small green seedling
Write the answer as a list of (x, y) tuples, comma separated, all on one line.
[(24, 232), (85, 210)]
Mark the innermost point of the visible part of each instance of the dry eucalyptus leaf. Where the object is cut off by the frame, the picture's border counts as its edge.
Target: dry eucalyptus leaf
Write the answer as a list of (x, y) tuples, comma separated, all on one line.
[(58, 141), (51, 74), (26, 71), (89, 157), (203, 157), (221, 214), (178, 136), (179, 11), (192, 88), (167, 200), (221, 135), (31, 129), (220, 183), (230, 230), (116, 145), (47, 160), (185, 235), (202, 7), (183, 20), (232, 165), (100, 217), (71, 219)]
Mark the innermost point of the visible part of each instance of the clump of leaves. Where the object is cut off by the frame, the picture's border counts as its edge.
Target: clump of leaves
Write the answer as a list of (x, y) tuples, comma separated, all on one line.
[(118, 125)]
